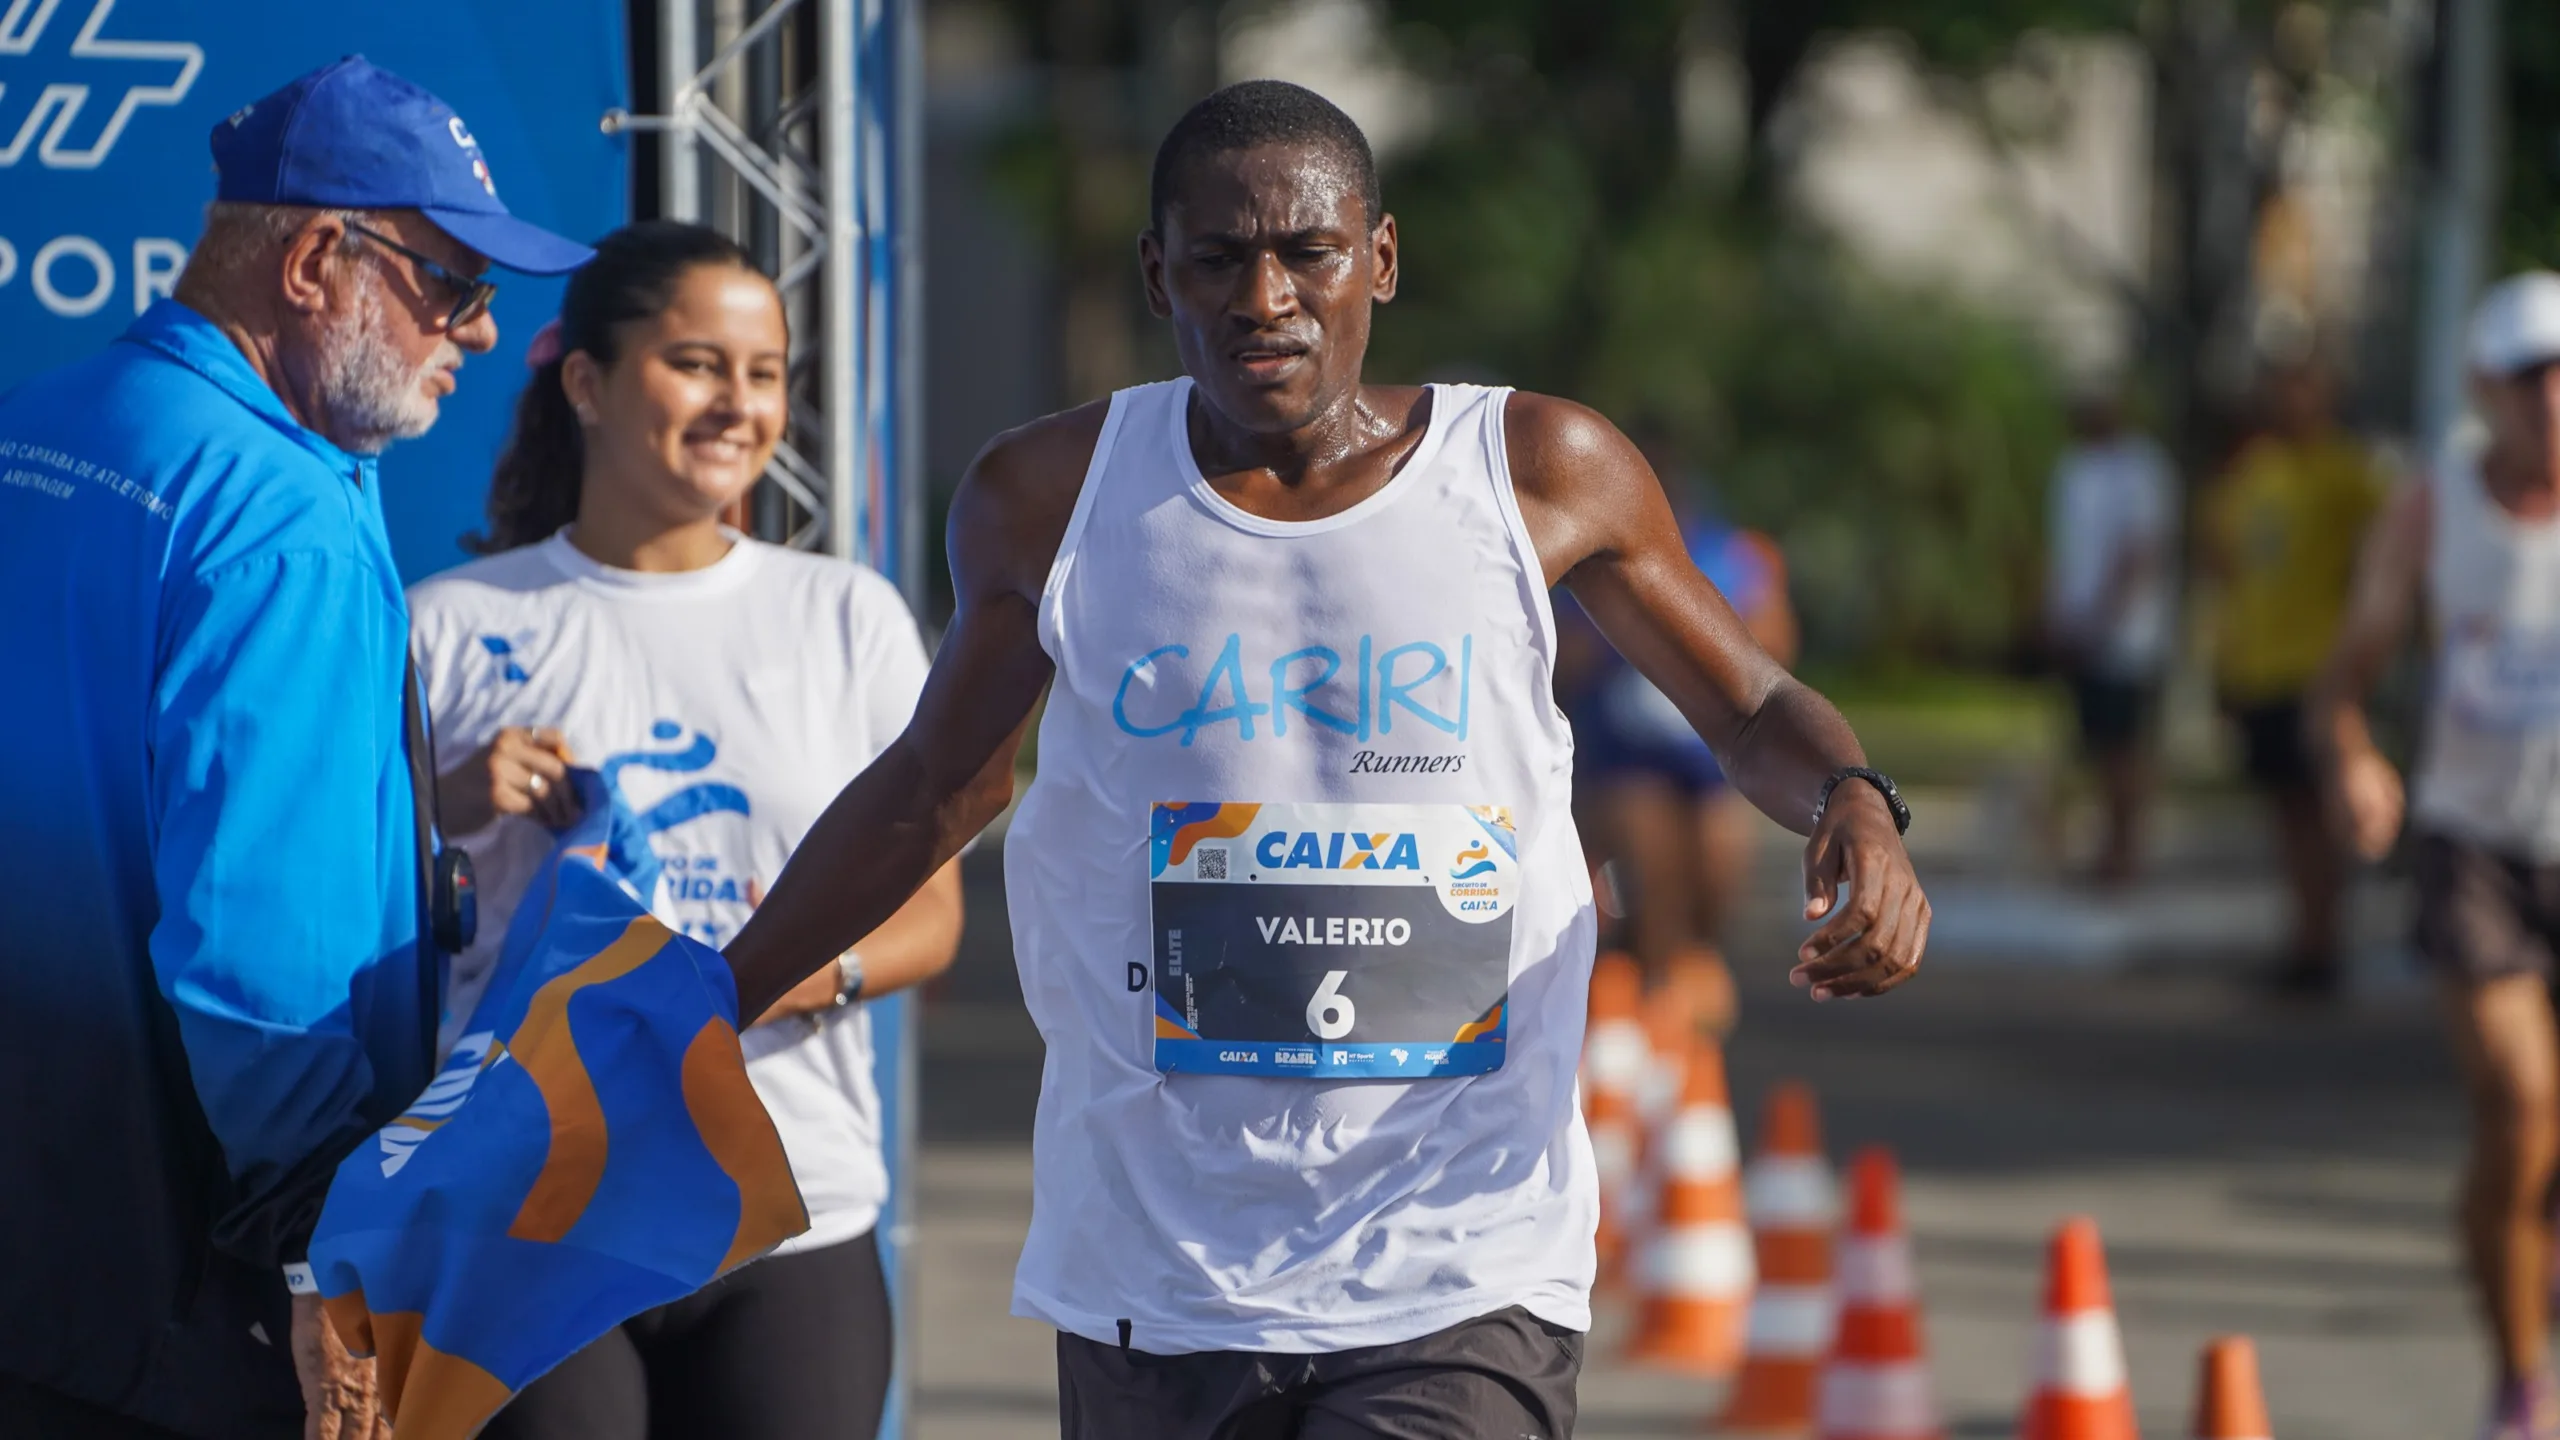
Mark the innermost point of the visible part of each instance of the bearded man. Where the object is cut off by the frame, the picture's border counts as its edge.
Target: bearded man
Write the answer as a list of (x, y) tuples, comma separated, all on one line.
[(221, 969)]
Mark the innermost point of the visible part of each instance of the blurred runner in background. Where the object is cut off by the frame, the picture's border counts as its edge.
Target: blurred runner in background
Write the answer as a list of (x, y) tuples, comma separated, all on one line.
[(1675, 836), (2111, 607), (2280, 535), (2480, 541)]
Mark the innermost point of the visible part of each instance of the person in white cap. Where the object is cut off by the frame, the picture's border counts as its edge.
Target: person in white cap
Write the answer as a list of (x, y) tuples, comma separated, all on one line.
[(2479, 540)]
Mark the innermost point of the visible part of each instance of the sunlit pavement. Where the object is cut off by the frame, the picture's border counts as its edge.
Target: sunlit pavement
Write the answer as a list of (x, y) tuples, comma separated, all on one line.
[(2280, 1172)]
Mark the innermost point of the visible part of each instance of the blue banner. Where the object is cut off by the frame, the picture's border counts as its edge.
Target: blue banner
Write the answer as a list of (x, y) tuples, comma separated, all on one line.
[(105, 106)]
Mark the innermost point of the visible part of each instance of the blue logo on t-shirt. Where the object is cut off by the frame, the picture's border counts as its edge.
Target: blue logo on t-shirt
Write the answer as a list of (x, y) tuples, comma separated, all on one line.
[(698, 878), (503, 651), (690, 803)]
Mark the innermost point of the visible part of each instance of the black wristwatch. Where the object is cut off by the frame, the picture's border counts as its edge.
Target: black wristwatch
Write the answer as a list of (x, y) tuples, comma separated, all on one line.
[(1884, 786)]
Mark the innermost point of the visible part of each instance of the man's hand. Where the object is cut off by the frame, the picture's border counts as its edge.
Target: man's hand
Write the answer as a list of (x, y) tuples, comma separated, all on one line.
[(1874, 941), (339, 1401), (2370, 800)]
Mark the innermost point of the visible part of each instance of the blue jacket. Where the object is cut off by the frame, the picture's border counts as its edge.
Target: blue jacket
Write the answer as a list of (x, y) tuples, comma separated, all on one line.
[(211, 978)]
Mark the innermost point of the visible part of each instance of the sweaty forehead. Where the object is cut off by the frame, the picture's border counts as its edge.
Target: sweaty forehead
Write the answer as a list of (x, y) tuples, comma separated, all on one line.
[(1266, 190)]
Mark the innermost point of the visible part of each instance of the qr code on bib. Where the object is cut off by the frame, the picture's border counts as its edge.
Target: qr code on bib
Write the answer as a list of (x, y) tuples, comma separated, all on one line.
[(1212, 862)]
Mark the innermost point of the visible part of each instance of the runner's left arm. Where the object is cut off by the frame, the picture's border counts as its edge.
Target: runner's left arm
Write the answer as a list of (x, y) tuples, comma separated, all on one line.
[(1603, 526)]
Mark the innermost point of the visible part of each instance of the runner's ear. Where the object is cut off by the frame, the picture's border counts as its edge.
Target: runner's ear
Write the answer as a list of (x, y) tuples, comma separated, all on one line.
[(1383, 244)]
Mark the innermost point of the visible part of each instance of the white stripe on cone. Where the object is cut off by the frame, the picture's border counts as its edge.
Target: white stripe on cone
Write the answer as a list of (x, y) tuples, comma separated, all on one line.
[(1875, 1270), (1699, 1260), (1790, 1187), (2081, 1354), (1699, 1145), (1792, 1320), (1615, 1055), (1877, 1400), (1658, 1094), (1637, 1200)]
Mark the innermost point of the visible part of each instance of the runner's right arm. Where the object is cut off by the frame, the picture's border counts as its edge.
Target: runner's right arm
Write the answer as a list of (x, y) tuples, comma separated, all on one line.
[(2362, 787), (951, 772)]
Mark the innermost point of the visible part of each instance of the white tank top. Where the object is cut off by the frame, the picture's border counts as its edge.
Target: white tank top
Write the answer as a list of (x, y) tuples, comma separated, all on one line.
[(2490, 769), (1300, 910)]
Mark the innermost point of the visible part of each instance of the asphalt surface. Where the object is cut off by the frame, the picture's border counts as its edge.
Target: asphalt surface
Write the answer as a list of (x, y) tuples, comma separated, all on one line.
[(2255, 1167)]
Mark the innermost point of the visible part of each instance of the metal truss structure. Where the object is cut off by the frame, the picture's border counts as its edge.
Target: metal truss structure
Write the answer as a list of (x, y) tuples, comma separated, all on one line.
[(781, 124)]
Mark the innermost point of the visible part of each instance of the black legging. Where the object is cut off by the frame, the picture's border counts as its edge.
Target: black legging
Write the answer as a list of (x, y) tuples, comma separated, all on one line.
[(795, 1347)]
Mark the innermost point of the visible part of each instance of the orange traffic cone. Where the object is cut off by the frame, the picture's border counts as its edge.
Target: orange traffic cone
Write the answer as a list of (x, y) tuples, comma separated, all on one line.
[(2080, 1386), (1703, 983), (1667, 1028), (2229, 1405), (1614, 1053), (1696, 1269), (1875, 1385), (1788, 1192), (1668, 1024)]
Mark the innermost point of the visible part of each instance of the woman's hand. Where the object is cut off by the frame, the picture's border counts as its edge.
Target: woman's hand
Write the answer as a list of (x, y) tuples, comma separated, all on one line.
[(521, 772)]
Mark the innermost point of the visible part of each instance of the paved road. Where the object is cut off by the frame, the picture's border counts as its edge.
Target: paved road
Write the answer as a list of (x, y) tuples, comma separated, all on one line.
[(2270, 1171)]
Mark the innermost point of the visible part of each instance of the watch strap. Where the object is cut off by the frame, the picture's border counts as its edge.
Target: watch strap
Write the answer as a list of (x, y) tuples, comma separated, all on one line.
[(1882, 784)]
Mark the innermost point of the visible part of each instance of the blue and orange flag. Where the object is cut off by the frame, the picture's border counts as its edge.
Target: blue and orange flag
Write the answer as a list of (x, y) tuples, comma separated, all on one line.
[(590, 1149)]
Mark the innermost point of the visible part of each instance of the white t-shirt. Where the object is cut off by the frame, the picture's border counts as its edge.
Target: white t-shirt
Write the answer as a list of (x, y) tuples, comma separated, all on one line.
[(2109, 498), (726, 707)]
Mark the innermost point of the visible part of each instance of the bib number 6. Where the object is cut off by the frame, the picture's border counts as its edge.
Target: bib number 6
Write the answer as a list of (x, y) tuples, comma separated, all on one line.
[(1330, 1014)]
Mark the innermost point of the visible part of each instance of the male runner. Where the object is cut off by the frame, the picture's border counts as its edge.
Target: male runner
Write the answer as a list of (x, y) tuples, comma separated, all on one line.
[(1297, 900), (2480, 540)]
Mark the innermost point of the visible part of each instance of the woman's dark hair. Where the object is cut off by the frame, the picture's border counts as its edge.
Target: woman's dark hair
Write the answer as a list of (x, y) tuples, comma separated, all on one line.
[(534, 489)]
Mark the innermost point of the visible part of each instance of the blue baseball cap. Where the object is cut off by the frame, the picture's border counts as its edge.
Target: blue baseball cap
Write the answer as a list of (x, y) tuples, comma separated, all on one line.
[(353, 136)]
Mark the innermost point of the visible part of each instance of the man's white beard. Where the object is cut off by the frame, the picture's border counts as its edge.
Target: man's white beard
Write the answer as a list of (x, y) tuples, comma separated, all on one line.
[(370, 398)]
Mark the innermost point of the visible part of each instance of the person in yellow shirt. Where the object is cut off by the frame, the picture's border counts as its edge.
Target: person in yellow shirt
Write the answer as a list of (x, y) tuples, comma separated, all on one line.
[(2280, 533)]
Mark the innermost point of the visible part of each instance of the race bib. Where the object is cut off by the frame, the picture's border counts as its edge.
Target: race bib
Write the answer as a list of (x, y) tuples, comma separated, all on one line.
[(1341, 940)]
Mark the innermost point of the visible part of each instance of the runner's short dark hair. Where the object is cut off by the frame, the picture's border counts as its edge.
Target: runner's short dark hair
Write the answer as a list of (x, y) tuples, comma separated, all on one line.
[(1252, 113)]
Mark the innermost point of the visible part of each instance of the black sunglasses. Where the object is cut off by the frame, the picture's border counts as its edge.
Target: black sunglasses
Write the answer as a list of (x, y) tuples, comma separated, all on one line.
[(471, 297)]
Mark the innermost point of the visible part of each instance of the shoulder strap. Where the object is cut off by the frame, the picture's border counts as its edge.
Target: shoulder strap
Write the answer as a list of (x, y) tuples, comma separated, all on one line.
[(419, 741)]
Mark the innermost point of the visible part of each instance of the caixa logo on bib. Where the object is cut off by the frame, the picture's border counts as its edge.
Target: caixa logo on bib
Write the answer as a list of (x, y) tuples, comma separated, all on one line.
[(70, 94)]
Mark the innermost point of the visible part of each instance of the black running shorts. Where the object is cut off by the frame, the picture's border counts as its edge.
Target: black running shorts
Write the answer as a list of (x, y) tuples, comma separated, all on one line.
[(1508, 1375), (2483, 915), (2273, 753)]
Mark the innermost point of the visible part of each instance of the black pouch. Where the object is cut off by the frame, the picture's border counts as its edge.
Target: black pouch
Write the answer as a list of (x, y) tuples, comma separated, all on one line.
[(453, 912)]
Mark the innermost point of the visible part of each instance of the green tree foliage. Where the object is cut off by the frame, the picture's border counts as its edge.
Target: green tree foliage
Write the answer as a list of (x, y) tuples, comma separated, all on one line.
[(2530, 233), (1894, 440)]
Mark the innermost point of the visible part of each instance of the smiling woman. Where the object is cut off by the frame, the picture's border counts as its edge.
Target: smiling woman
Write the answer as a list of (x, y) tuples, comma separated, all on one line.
[(673, 297), (721, 689)]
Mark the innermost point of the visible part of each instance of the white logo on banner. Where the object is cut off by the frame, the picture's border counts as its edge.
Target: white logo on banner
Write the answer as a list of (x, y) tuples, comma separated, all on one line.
[(23, 25)]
